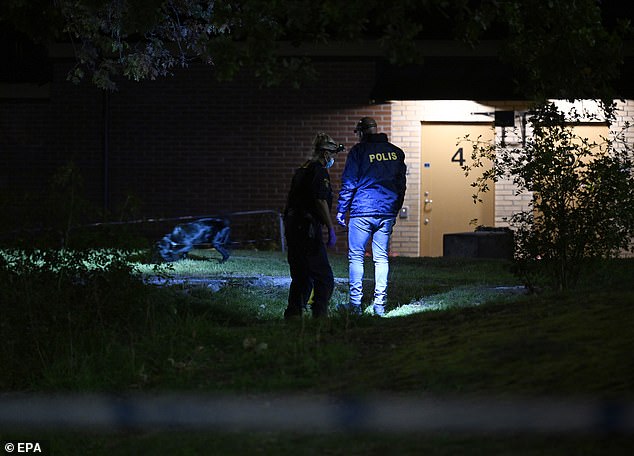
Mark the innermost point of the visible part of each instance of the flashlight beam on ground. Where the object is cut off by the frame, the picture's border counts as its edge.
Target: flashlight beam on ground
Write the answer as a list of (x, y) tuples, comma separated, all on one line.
[(314, 414)]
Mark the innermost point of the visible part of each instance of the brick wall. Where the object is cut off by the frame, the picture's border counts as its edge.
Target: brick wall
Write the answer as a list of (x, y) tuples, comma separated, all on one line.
[(203, 146), (185, 145), (407, 116), (188, 145)]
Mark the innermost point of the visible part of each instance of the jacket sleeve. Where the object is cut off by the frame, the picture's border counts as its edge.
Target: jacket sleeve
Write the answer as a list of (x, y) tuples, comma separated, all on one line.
[(349, 180), (401, 184)]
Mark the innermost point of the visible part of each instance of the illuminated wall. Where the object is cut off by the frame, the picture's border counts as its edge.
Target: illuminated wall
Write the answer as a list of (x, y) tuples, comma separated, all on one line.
[(407, 116), (188, 145)]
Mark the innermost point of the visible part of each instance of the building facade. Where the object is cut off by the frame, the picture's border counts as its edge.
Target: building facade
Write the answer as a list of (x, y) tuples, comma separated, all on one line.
[(188, 145)]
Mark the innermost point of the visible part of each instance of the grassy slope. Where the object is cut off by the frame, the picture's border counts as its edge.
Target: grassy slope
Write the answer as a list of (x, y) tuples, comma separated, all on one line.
[(577, 344), (580, 347)]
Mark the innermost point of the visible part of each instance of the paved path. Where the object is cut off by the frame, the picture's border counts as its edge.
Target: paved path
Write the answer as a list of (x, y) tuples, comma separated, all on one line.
[(216, 283)]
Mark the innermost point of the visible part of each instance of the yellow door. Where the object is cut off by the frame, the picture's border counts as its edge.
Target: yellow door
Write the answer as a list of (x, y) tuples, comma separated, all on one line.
[(446, 204), (595, 133)]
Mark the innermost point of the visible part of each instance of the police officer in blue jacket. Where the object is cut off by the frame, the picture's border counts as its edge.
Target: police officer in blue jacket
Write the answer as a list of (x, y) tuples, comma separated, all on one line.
[(372, 191), (307, 211)]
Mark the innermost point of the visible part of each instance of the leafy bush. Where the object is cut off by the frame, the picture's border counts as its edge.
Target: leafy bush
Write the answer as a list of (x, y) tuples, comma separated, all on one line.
[(582, 205), (57, 304)]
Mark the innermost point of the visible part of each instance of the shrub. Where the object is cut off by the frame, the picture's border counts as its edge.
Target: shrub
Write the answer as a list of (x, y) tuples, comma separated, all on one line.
[(582, 205), (54, 302)]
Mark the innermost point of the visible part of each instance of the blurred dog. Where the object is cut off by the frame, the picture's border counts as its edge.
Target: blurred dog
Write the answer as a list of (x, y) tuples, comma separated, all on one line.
[(186, 236)]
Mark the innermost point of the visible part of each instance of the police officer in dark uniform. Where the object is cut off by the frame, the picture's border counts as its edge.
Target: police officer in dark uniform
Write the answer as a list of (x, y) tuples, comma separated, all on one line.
[(307, 211)]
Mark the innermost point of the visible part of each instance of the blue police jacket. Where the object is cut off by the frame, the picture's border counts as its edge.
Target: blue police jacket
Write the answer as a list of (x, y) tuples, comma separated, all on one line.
[(373, 181)]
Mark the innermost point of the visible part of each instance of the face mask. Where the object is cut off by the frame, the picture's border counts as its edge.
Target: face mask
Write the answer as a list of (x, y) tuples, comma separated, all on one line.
[(330, 162)]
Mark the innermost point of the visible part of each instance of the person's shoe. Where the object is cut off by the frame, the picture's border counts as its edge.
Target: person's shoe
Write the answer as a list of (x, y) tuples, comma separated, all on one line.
[(292, 314), (351, 309), (379, 310), (319, 313)]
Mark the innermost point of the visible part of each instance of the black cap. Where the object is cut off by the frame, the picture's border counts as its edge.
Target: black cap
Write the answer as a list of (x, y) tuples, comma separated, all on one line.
[(364, 124)]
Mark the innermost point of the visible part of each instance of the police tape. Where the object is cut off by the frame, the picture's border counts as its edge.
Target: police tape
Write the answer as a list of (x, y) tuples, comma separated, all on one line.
[(315, 414)]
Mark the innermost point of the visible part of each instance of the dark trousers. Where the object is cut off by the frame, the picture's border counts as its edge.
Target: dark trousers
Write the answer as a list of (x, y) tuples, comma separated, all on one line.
[(310, 271)]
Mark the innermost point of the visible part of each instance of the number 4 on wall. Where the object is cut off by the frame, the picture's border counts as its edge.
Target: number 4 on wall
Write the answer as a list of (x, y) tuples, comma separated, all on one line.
[(458, 157)]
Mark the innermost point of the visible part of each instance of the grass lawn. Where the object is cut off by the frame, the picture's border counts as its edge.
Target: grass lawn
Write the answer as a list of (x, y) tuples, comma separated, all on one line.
[(451, 331)]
